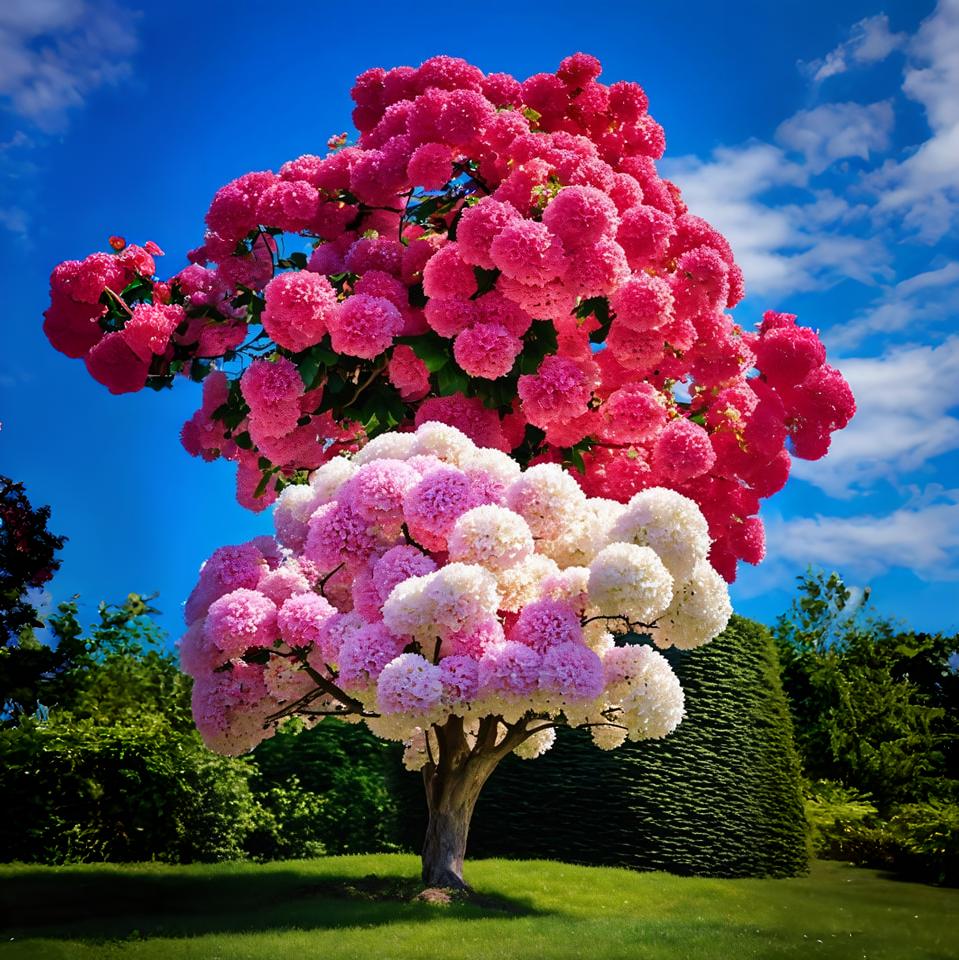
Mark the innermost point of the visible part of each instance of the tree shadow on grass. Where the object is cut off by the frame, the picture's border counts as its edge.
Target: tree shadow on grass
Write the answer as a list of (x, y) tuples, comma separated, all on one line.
[(108, 903)]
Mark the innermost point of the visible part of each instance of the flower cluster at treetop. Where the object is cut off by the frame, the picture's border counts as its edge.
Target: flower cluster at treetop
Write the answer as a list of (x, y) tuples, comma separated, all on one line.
[(426, 578), (497, 255)]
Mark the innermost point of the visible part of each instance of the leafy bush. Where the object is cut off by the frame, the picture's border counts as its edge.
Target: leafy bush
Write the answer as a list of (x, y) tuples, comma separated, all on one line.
[(345, 767), (874, 706), (287, 823), (920, 841), (118, 771), (81, 791)]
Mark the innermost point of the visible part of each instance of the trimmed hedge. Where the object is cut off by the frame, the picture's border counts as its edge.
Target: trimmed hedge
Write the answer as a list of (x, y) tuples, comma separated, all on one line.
[(722, 796)]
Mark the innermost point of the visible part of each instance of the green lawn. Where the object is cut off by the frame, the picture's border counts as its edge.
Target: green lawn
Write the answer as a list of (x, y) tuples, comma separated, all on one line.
[(537, 909)]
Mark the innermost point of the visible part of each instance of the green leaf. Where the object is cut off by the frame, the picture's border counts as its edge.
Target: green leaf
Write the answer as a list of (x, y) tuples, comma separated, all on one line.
[(431, 348), (309, 363), (450, 379), (574, 458), (485, 281), (261, 486)]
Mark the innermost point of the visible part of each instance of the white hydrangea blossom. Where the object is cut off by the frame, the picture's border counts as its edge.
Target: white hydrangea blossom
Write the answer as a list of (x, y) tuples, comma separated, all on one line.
[(492, 536), (443, 441), (605, 513), (496, 464), (630, 580), (414, 752), (655, 708), (386, 446), (398, 727), (607, 736), (520, 584), (670, 523), (598, 638), (408, 611), (548, 498), (327, 479), (462, 595), (536, 745), (699, 612)]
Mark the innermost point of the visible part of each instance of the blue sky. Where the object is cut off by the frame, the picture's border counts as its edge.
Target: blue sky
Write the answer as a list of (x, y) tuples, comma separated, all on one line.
[(820, 137)]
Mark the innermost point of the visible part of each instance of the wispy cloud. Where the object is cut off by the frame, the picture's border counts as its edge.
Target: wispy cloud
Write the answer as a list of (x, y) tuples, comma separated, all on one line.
[(783, 247), (921, 536), (918, 305), (835, 131), (906, 402), (923, 189), (869, 41), (54, 53)]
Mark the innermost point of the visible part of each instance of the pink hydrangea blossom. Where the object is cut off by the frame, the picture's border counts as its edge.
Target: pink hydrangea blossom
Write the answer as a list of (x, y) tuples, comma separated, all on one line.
[(559, 389), (364, 326), (527, 251), (301, 619), (487, 350), (572, 671), (240, 620), (544, 624), (364, 654), (509, 668), (112, 362), (408, 373), (299, 306)]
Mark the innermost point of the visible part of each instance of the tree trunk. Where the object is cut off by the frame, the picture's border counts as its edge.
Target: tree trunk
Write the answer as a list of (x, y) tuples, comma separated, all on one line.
[(453, 779), (445, 845)]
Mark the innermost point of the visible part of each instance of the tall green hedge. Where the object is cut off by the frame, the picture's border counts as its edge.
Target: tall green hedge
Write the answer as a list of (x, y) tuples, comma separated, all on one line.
[(719, 797)]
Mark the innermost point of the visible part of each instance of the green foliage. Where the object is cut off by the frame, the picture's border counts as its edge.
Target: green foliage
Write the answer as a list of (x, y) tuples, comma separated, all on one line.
[(78, 790), (917, 840), (286, 823), (720, 797), (874, 705), (116, 770), (63, 673), (345, 766), (832, 808), (28, 559)]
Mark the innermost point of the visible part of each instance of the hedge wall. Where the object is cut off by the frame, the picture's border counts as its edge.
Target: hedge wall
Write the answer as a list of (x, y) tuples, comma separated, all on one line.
[(720, 797)]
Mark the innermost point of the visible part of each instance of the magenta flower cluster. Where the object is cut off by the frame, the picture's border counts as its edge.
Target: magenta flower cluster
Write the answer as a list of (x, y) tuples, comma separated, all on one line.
[(495, 254)]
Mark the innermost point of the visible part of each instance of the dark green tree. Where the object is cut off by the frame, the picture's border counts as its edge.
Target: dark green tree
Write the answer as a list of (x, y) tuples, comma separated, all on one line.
[(874, 703), (28, 559)]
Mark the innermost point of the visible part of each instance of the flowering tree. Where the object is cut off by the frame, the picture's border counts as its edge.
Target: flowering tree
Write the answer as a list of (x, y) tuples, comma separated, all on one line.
[(493, 277)]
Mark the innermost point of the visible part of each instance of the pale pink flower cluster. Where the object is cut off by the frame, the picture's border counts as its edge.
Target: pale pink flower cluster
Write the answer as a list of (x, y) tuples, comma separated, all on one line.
[(427, 577)]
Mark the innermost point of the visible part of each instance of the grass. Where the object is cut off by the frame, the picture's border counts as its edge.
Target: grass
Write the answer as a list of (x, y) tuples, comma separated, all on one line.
[(536, 909)]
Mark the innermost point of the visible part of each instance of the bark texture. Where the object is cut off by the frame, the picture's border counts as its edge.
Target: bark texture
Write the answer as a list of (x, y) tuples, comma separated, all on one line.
[(453, 778)]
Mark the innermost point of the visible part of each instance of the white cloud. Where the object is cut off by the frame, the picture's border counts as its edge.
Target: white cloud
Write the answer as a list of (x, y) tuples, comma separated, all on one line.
[(919, 302), (869, 41), (922, 537), (924, 188), (53, 53), (782, 248), (905, 398), (834, 131)]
